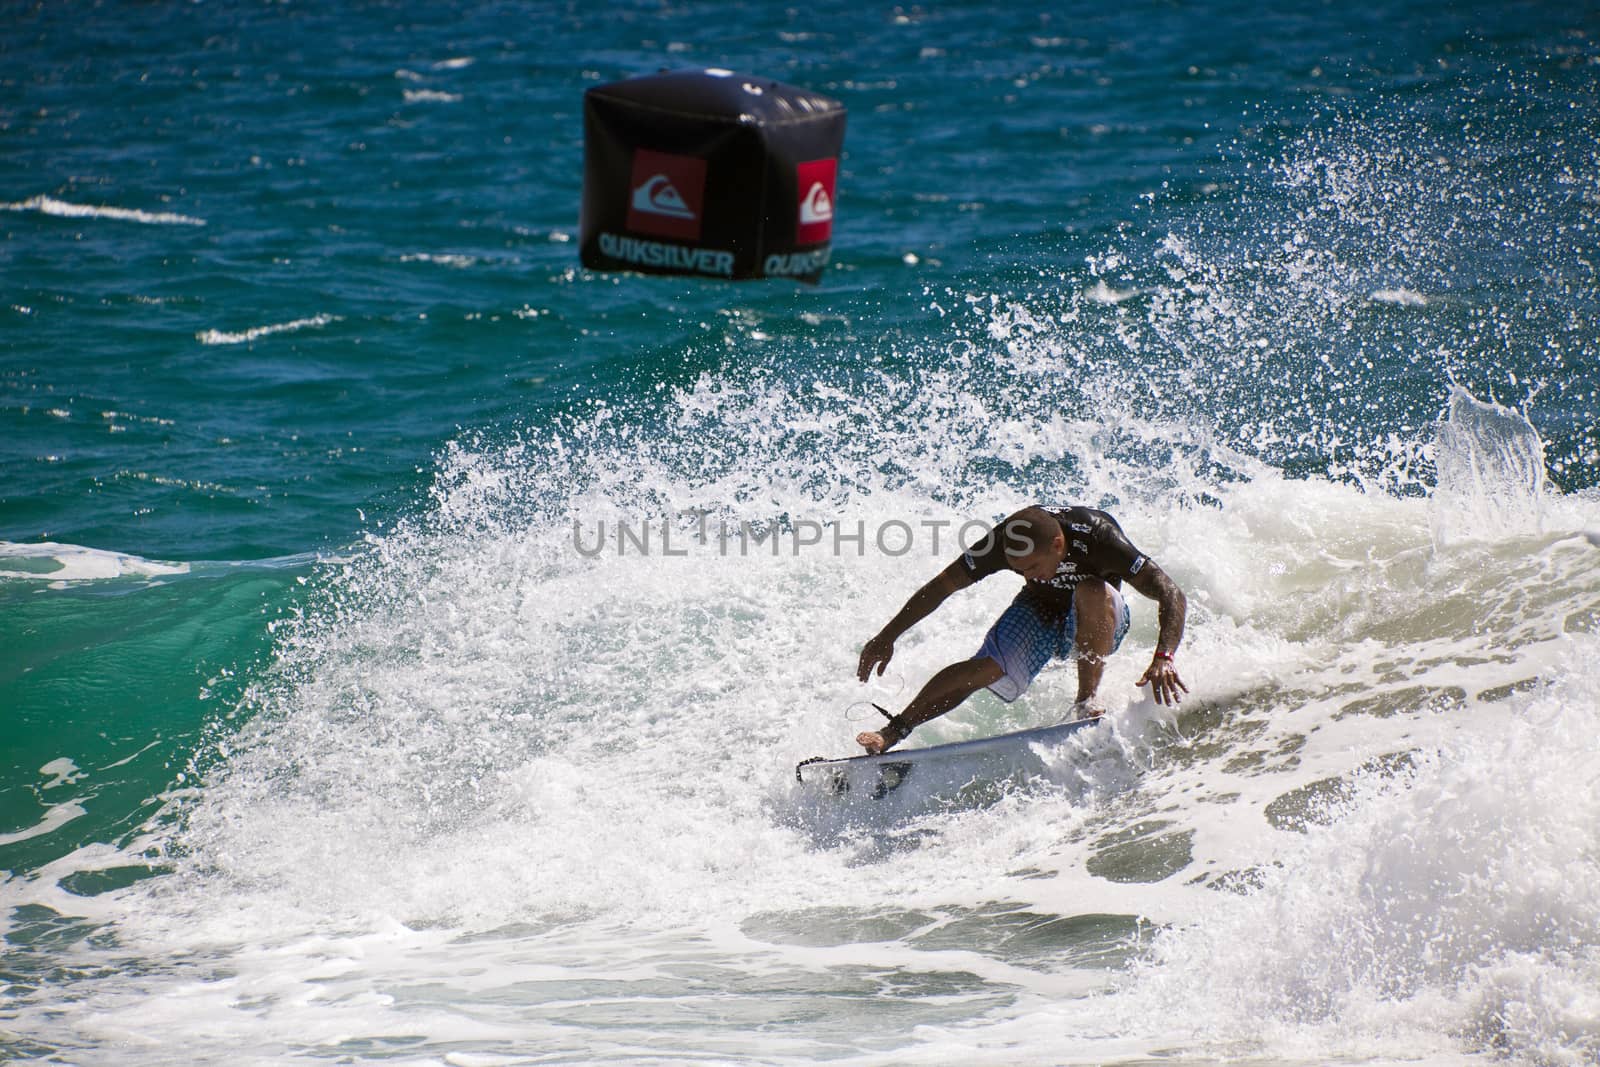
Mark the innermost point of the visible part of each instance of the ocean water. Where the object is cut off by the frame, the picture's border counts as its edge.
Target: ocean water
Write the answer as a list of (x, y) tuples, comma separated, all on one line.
[(388, 672)]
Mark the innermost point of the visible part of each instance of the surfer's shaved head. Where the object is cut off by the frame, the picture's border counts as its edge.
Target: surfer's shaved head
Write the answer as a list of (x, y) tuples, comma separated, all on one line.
[(1029, 532)]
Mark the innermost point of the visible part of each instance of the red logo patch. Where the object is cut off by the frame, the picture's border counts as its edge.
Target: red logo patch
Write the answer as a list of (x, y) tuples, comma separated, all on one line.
[(815, 182), (667, 194)]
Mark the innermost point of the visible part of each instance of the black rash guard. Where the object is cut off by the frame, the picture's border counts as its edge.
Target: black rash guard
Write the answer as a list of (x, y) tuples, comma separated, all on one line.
[(1096, 548)]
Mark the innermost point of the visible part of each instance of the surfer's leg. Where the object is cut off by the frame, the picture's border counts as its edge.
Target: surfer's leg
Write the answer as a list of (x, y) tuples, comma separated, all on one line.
[(1022, 640), (1100, 618), (944, 691)]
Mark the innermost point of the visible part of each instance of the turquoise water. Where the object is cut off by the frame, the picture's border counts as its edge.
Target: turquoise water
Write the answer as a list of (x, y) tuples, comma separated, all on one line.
[(322, 741)]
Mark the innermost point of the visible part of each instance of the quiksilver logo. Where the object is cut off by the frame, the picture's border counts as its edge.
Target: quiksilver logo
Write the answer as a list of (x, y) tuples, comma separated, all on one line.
[(817, 206), (658, 196), (667, 257), (814, 184), (795, 264), (666, 195)]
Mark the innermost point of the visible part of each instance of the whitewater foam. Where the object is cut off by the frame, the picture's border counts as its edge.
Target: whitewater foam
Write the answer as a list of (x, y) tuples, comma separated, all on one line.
[(54, 817), (447, 259), (255, 333), (47, 205), (1457, 897), (431, 96), (1399, 297)]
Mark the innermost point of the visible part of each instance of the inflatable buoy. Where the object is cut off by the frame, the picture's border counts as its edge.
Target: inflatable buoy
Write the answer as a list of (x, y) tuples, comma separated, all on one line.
[(711, 173)]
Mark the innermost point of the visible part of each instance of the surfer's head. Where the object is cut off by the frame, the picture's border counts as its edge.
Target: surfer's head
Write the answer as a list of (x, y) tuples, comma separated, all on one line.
[(1034, 543)]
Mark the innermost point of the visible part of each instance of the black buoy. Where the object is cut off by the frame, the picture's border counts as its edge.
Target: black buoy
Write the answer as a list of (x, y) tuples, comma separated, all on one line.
[(711, 173)]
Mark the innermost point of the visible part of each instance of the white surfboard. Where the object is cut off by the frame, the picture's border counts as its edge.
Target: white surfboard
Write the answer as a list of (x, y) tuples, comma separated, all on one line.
[(937, 768)]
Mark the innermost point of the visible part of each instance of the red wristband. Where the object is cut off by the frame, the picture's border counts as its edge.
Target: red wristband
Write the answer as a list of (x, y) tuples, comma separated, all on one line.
[(1163, 655)]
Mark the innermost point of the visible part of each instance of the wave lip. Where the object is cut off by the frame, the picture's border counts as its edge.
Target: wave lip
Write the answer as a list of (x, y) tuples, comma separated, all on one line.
[(49, 561), (222, 337), (48, 205)]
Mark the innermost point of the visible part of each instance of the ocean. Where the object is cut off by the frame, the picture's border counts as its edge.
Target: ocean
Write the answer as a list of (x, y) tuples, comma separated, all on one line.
[(407, 636)]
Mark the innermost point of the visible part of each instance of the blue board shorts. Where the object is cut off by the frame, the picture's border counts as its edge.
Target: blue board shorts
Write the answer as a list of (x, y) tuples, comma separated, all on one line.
[(1027, 636)]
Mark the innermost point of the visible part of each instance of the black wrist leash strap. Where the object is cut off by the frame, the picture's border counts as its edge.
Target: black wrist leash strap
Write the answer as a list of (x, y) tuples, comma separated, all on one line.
[(897, 723)]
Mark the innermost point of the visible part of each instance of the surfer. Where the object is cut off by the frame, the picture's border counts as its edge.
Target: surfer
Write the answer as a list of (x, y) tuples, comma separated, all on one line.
[(1075, 561)]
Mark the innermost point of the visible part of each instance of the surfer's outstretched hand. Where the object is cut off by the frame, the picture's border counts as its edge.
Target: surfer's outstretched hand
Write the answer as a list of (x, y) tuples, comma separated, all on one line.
[(875, 653), (1165, 685)]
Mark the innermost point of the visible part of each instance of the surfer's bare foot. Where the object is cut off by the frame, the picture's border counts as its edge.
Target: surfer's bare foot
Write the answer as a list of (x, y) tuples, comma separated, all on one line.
[(872, 741), (1087, 709)]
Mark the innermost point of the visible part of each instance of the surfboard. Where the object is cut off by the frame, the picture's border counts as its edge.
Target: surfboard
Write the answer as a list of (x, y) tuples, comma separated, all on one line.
[(938, 767)]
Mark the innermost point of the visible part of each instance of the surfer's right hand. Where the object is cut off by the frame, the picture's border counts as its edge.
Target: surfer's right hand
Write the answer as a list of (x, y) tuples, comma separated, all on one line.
[(875, 653)]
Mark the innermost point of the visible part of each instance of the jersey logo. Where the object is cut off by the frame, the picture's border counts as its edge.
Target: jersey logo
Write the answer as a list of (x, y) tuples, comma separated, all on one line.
[(1080, 527), (1080, 546), (1137, 565)]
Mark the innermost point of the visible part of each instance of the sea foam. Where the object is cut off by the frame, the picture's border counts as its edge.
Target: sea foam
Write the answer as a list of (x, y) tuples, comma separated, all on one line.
[(47, 205), (221, 337), (48, 561)]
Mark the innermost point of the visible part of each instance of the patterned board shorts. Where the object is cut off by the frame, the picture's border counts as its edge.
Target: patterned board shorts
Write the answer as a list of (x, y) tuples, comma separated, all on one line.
[(1026, 636)]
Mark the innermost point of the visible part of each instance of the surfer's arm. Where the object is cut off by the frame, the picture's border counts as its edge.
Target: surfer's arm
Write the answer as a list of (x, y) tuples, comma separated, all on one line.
[(878, 651), (1162, 674)]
